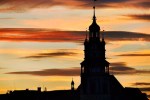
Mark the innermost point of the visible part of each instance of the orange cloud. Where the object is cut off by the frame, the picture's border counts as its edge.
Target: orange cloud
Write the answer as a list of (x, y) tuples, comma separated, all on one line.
[(21, 6), (46, 35), (43, 35)]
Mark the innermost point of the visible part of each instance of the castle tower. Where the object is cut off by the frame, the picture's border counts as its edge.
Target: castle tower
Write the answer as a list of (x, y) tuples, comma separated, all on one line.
[(94, 68), (96, 82)]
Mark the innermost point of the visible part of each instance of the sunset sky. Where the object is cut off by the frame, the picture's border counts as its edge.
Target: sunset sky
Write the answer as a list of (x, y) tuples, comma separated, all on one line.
[(41, 42)]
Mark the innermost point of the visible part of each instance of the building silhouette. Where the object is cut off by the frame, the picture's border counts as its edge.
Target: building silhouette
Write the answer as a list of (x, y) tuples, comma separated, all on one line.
[(96, 81)]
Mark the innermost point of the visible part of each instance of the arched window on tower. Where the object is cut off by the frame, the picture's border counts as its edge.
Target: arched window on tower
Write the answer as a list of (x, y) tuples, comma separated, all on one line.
[(82, 69), (107, 67)]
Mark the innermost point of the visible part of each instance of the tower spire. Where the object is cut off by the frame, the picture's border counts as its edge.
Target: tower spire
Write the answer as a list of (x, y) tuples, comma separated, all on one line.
[(94, 29), (94, 17)]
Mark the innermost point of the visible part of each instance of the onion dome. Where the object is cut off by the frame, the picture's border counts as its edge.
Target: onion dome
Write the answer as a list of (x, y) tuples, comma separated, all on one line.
[(94, 26)]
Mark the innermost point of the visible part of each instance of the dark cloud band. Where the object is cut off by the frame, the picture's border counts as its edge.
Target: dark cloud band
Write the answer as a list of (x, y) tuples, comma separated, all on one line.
[(134, 55), (141, 84), (145, 89), (22, 6), (116, 68), (145, 17), (122, 69), (52, 72), (52, 54)]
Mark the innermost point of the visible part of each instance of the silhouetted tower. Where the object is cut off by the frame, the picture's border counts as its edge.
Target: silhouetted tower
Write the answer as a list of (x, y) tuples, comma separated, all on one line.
[(72, 85), (94, 68)]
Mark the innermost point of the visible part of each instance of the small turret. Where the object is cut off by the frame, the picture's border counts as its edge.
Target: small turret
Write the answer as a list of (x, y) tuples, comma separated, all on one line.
[(72, 85)]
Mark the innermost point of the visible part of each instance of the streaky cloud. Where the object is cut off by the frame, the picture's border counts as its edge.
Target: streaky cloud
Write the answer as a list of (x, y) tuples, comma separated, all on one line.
[(75, 71), (121, 68), (26, 5), (134, 55), (141, 84), (47, 35), (52, 54), (145, 17), (118, 64), (117, 68), (145, 89)]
